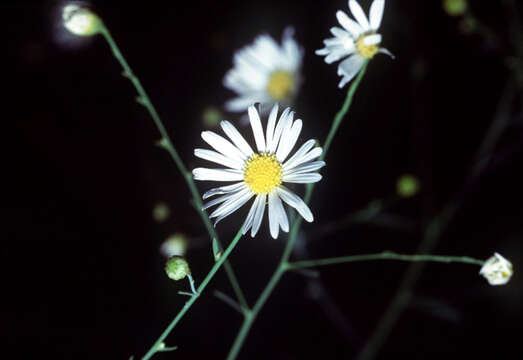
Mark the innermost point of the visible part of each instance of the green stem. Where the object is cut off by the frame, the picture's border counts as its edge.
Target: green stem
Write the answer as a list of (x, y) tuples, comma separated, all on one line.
[(341, 114), (386, 255), (167, 144), (433, 232), (191, 301), (283, 266)]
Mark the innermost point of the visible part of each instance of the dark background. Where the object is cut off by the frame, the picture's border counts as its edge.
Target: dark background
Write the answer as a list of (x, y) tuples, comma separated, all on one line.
[(82, 274)]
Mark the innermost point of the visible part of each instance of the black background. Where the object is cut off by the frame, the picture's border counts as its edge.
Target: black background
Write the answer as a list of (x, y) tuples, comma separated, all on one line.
[(82, 274)]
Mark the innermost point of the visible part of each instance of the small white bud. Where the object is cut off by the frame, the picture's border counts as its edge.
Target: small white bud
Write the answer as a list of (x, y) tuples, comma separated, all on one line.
[(80, 20), (174, 245), (497, 270)]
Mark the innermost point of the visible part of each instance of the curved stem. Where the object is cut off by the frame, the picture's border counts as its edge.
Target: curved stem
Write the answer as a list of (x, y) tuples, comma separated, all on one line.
[(283, 266), (167, 144), (193, 298), (386, 255)]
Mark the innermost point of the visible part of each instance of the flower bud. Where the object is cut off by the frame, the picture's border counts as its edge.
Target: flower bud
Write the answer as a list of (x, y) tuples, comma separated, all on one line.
[(407, 186), (80, 20), (161, 212), (455, 7), (174, 245), (497, 270), (177, 268)]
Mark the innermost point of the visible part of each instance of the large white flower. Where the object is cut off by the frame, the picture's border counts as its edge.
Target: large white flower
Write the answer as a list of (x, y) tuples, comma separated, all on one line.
[(265, 72), (358, 40), (260, 174)]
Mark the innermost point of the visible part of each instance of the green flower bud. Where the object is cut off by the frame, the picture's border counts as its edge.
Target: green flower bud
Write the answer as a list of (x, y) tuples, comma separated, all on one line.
[(161, 212), (211, 116), (177, 268), (80, 20), (407, 186), (455, 7)]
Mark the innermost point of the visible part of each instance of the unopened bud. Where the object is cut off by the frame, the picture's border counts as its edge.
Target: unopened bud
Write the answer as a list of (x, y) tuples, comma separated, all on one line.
[(174, 245), (455, 7), (80, 20), (177, 268), (407, 186)]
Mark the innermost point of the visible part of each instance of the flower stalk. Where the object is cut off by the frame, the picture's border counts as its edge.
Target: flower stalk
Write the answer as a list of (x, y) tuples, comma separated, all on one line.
[(168, 145), (283, 265)]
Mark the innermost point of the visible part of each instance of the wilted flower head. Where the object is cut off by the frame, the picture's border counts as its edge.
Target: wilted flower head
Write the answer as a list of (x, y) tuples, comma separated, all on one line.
[(497, 270), (260, 174), (265, 72), (80, 20), (358, 40)]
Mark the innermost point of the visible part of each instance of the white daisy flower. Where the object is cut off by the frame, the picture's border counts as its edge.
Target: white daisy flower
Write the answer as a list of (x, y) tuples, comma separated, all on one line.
[(265, 72), (358, 40), (260, 174), (497, 270)]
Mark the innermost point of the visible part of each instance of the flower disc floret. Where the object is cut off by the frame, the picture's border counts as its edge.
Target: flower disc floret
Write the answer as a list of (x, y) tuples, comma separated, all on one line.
[(280, 85), (367, 51), (262, 173)]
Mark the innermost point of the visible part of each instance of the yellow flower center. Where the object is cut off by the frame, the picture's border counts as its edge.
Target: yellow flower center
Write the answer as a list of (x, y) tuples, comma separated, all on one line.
[(367, 51), (280, 85), (262, 173)]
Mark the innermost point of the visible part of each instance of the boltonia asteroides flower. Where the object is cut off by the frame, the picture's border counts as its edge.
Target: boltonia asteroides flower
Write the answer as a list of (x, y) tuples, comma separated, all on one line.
[(260, 174), (358, 40), (265, 72)]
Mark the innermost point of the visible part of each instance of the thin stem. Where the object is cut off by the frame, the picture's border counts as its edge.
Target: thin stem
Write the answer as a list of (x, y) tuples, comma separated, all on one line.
[(341, 114), (226, 299), (191, 301), (433, 232), (168, 145), (191, 282), (386, 255), (251, 315)]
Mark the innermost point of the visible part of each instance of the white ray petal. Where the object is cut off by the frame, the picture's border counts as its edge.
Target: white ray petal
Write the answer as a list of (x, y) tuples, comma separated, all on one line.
[(350, 25), (258, 216), (223, 190), (296, 202), (373, 39), (340, 33), (288, 142), (302, 178), (271, 123), (250, 217), (376, 13), (218, 158), (236, 138), (359, 15), (241, 103), (337, 53), (299, 154), (232, 204), (386, 52), (217, 174), (305, 168), (303, 158), (274, 223), (282, 215), (285, 122), (218, 200), (223, 146), (257, 129), (348, 68)]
